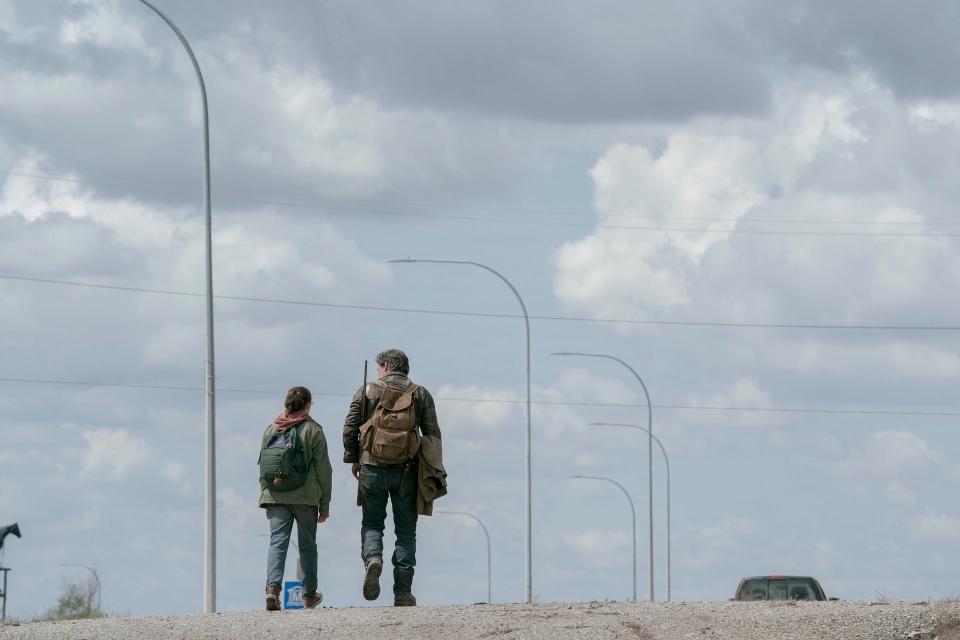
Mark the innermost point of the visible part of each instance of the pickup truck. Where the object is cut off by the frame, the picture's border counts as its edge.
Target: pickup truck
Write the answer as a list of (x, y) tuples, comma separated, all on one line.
[(780, 588)]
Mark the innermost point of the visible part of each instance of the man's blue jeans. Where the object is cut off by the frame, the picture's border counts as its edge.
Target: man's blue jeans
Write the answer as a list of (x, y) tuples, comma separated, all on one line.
[(376, 485), (281, 517)]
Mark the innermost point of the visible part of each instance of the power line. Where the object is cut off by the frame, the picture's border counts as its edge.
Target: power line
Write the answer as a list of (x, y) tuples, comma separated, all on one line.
[(554, 223), (482, 314), (574, 403), (169, 186), (488, 220)]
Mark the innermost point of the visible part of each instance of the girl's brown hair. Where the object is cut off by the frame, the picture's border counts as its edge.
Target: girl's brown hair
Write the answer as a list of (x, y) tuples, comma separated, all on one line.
[(297, 398)]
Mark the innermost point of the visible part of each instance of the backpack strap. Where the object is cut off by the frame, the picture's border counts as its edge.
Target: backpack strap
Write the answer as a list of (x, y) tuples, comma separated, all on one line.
[(379, 385), (416, 413)]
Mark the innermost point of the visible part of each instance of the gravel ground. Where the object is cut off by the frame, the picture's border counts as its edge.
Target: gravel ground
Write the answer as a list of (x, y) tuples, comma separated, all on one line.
[(704, 620)]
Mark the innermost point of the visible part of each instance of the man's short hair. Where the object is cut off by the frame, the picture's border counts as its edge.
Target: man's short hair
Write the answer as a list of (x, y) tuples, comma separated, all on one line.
[(395, 360)]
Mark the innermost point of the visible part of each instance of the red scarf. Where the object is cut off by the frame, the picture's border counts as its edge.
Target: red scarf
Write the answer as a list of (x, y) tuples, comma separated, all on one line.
[(287, 420)]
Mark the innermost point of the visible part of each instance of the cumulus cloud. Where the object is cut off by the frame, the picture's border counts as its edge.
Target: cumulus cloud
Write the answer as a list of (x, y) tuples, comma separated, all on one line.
[(103, 25), (612, 272), (580, 384), (129, 222), (747, 393), (719, 184), (113, 454), (713, 544), (889, 452), (930, 115), (604, 549), (13, 28), (277, 123), (487, 413), (936, 526), (900, 494), (175, 473), (729, 531), (261, 246)]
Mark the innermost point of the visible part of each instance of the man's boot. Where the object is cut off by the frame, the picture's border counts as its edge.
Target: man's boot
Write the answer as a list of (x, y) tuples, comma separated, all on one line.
[(273, 597), (311, 600), (371, 579), (402, 589)]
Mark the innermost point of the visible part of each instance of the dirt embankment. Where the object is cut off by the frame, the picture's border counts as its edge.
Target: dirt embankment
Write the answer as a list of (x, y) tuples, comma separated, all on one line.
[(557, 621)]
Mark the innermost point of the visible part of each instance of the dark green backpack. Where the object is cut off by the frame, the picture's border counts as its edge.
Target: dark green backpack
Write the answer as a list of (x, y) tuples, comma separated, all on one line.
[(283, 465)]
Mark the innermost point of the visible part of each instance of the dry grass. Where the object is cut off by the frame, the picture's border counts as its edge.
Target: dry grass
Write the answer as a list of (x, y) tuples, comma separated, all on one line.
[(638, 630), (947, 626)]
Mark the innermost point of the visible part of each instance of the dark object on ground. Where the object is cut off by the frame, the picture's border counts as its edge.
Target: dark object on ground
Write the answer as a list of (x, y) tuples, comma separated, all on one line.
[(404, 599), (780, 588), (7, 530)]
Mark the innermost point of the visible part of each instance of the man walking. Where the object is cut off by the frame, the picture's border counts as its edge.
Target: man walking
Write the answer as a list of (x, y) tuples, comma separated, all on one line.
[(391, 439), (295, 485)]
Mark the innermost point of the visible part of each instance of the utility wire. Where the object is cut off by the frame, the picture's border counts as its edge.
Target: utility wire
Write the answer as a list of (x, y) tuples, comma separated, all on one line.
[(553, 223), (481, 314), (488, 220), (169, 186), (575, 403)]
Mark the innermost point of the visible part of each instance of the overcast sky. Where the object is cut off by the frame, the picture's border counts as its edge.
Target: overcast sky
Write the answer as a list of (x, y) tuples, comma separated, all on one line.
[(805, 158)]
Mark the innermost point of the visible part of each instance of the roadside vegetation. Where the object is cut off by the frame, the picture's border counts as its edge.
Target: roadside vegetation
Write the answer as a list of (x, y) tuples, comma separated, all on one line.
[(79, 600)]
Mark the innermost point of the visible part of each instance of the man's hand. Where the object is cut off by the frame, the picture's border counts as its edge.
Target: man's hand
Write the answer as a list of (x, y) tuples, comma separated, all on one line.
[(355, 470), (322, 518)]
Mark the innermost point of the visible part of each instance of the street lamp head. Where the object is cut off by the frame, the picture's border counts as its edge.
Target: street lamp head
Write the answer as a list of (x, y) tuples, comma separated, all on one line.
[(402, 260), (561, 353), (616, 424)]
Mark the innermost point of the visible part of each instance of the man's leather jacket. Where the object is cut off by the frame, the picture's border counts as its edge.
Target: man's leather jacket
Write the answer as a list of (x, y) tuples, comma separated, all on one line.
[(367, 399)]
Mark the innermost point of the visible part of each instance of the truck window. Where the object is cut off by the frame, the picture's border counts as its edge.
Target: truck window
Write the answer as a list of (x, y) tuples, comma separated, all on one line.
[(754, 590), (777, 590)]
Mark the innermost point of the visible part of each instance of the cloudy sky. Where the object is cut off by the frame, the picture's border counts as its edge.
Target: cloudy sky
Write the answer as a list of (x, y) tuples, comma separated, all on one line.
[(753, 205)]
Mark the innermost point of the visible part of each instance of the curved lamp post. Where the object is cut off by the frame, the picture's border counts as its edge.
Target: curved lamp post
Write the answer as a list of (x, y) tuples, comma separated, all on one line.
[(526, 322), (650, 441), (489, 554), (666, 461), (633, 513), (210, 494)]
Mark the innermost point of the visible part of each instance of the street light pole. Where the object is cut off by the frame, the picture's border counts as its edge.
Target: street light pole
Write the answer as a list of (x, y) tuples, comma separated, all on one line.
[(489, 554), (633, 513), (529, 497), (210, 494), (649, 443), (666, 461)]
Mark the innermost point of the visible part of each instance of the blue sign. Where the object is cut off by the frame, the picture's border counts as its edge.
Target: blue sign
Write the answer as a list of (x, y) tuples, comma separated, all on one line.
[(293, 595)]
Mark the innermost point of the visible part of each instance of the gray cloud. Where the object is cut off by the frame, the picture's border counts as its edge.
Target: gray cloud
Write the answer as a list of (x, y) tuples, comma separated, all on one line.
[(547, 60), (906, 45), (105, 92)]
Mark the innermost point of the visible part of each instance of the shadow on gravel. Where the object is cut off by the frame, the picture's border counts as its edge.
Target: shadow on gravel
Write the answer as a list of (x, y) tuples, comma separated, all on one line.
[(947, 629), (638, 630)]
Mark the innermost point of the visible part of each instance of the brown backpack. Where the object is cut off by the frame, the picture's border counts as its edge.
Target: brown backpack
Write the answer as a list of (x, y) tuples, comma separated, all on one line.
[(390, 435)]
